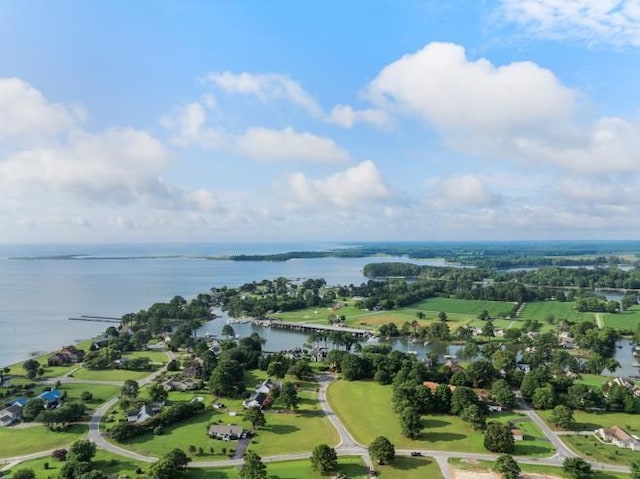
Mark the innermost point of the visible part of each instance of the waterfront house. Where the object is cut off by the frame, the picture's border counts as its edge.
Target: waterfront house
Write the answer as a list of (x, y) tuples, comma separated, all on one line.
[(618, 437), (10, 415), (67, 355)]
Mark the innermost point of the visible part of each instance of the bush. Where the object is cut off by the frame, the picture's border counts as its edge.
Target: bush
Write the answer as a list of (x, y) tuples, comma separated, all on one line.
[(59, 454)]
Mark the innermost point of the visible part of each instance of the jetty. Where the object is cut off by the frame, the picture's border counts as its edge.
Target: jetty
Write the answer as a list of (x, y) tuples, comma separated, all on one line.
[(97, 319), (361, 334)]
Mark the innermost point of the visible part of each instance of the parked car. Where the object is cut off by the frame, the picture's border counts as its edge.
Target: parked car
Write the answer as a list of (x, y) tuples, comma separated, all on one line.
[(416, 453)]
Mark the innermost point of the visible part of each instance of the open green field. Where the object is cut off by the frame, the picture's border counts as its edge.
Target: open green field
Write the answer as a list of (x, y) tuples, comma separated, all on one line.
[(592, 449), (485, 466), (440, 432), (463, 306), (120, 375), (296, 431), (593, 380), (157, 357), (103, 461), (27, 440), (590, 421), (629, 319), (352, 467), (101, 392), (561, 310)]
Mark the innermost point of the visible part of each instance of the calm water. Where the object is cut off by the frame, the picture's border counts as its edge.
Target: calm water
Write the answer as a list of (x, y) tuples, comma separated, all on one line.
[(37, 296)]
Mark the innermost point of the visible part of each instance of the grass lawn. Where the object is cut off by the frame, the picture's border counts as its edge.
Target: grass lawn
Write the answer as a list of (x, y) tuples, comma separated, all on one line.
[(467, 307), (409, 467), (101, 392), (352, 467), (591, 448), (157, 357), (485, 466), (561, 310), (440, 432), (297, 431), (593, 380), (589, 421), (109, 374), (625, 320), (21, 441), (103, 461)]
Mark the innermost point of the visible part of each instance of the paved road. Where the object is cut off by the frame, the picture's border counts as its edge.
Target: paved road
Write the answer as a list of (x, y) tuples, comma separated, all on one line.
[(347, 445)]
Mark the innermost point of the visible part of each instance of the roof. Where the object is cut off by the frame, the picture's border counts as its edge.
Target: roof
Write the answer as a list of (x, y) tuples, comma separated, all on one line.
[(20, 402), (50, 396), (12, 411), (617, 433), (230, 429)]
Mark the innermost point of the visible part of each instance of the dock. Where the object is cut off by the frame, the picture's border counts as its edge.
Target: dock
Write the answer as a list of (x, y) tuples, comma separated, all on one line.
[(361, 334), (96, 319)]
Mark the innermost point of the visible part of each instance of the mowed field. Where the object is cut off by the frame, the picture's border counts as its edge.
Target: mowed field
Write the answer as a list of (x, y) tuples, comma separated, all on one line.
[(561, 310), (629, 319), (366, 409)]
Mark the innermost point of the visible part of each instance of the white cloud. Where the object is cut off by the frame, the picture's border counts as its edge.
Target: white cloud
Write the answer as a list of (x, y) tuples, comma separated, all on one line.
[(451, 92), (345, 116), (188, 125), (270, 145), (347, 189), (615, 22), (267, 86), (465, 190), (26, 114)]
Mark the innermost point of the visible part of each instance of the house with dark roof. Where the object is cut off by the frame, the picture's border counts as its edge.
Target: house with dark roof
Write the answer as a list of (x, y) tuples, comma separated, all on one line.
[(67, 355), (260, 396), (10, 415), (144, 412)]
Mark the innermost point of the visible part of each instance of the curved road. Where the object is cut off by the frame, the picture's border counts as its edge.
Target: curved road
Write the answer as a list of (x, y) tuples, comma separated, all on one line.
[(347, 445)]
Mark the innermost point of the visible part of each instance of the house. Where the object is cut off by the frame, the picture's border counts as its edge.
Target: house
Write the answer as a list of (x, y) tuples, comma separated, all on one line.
[(433, 386), (52, 399), (452, 366), (67, 355), (227, 432), (260, 396), (318, 354), (178, 383), (618, 437), (144, 413), (10, 415), (518, 434)]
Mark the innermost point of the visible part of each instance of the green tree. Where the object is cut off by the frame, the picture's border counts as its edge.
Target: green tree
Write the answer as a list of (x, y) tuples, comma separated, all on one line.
[(562, 416), (410, 422), (635, 470), (543, 398), (502, 394), (382, 450), (289, 395), (301, 369), (577, 468), (324, 459), (255, 416), (32, 408), (82, 451), (31, 367), (488, 329), (474, 416), (253, 467), (228, 331), (130, 389), (227, 378), (507, 466), (74, 469), (277, 369), (442, 316), (499, 438), (24, 474), (95, 474), (157, 392)]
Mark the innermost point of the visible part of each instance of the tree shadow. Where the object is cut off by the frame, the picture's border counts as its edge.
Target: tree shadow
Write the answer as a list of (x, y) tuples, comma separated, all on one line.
[(281, 428), (441, 436), (409, 463), (432, 423)]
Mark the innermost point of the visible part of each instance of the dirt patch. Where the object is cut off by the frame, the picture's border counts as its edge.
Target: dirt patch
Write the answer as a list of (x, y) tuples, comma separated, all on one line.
[(463, 474)]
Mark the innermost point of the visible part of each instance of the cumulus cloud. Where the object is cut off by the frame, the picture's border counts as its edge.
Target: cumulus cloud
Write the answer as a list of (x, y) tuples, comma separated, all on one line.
[(346, 189), (465, 190), (440, 84), (271, 145), (345, 116), (188, 125), (26, 114), (267, 86), (615, 22)]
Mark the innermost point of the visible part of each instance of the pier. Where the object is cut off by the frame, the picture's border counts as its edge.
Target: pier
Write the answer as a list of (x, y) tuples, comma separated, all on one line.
[(96, 319), (361, 334)]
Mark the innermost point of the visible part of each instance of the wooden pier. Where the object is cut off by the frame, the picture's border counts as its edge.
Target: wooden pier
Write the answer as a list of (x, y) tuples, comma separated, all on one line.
[(361, 334), (96, 319)]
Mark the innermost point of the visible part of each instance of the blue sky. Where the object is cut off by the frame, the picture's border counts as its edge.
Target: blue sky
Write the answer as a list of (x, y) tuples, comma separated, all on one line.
[(250, 121)]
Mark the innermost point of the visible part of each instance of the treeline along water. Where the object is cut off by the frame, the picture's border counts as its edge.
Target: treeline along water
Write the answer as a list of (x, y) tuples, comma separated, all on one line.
[(41, 286)]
